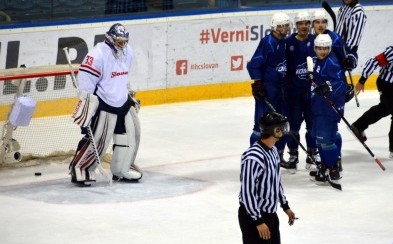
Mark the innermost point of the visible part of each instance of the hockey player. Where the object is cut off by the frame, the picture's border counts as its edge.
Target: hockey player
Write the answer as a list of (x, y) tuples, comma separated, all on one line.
[(385, 88), (346, 57), (267, 68), (351, 21), (108, 108), (298, 47), (329, 86), (261, 188)]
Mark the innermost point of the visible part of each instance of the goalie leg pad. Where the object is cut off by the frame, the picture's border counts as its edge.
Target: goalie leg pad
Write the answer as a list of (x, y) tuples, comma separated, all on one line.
[(84, 162), (125, 149), (85, 109)]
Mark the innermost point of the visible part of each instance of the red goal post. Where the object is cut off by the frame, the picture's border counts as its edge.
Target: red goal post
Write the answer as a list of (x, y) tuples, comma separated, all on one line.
[(50, 131)]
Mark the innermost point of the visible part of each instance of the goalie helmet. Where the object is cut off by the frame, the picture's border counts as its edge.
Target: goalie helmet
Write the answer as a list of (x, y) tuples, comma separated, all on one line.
[(279, 19), (319, 14), (117, 37), (271, 121), (302, 16)]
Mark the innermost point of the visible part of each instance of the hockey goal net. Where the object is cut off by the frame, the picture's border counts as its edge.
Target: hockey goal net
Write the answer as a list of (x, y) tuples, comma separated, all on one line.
[(50, 131)]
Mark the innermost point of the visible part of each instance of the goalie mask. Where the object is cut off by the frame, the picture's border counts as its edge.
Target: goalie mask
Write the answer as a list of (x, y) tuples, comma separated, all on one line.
[(117, 38), (272, 120)]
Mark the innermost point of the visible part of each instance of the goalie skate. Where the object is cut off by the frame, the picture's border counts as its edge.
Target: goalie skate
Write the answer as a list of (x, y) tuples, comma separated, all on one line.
[(82, 178)]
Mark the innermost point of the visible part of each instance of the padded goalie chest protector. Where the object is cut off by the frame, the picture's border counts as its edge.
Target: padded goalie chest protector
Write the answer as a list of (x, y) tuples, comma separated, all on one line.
[(22, 111)]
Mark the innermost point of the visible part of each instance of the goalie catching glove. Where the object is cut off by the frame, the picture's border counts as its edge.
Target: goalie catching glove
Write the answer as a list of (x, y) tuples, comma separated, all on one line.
[(85, 109), (324, 89), (258, 90)]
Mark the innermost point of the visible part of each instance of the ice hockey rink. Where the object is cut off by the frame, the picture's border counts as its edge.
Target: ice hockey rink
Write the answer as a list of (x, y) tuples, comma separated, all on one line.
[(190, 155)]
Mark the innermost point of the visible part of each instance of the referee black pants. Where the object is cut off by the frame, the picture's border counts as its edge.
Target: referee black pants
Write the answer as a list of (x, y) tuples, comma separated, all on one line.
[(377, 112), (250, 233)]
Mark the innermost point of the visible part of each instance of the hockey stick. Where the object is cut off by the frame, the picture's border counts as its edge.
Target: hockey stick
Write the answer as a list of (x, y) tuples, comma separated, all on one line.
[(310, 67), (290, 133), (330, 11), (333, 184), (89, 131)]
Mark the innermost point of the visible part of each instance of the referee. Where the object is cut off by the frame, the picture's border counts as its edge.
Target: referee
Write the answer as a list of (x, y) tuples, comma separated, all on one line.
[(350, 23), (385, 88), (261, 188)]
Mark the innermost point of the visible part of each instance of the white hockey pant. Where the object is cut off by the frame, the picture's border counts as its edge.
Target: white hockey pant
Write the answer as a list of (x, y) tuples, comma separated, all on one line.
[(125, 149), (85, 160)]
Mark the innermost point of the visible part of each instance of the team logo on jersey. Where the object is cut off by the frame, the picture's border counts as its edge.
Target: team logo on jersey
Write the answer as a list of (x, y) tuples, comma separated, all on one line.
[(236, 63), (301, 71), (282, 68), (114, 74), (181, 67)]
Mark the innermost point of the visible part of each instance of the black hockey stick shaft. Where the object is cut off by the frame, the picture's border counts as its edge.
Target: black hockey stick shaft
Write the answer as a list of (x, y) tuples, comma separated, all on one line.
[(290, 133), (310, 64), (330, 11), (333, 184), (350, 77)]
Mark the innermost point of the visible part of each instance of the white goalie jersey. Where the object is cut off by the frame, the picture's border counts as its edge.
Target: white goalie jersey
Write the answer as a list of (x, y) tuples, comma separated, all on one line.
[(106, 75)]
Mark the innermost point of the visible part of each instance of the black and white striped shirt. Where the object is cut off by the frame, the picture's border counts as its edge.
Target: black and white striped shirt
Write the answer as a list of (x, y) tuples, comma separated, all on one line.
[(351, 21), (260, 178), (383, 60)]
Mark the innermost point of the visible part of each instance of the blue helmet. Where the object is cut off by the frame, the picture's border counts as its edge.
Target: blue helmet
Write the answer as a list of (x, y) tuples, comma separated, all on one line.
[(117, 37)]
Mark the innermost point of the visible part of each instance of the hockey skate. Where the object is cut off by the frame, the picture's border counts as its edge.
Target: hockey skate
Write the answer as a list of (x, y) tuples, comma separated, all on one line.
[(359, 134), (291, 164), (321, 175), (82, 177), (334, 174), (132, 176), (311, 163)]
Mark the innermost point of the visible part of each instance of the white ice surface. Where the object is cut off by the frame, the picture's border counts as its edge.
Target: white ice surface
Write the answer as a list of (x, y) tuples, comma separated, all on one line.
[(190, 154)]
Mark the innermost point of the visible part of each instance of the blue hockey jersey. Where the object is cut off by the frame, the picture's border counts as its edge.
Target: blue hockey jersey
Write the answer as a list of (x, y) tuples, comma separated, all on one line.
[(328, 69), (268, 62)]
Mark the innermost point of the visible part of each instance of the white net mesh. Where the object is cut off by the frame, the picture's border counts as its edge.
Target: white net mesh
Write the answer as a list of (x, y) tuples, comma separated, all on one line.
[(51, 131)]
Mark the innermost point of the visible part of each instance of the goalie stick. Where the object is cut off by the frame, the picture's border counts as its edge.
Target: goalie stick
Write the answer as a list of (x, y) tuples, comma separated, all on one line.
[(89, 131), (330, 11), (310, 67)]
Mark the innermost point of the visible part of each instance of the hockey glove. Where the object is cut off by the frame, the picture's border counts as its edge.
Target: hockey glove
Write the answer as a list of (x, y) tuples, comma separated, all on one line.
[(324, 89), (350, 93), (258, 90), (136, 103), (350, 62)]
